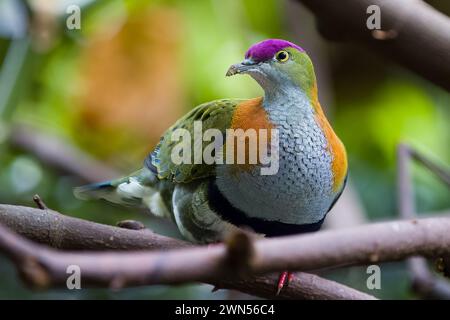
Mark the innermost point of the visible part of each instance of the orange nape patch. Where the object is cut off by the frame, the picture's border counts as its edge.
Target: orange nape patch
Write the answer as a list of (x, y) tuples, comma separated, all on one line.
[(339, 165), (249, 115)]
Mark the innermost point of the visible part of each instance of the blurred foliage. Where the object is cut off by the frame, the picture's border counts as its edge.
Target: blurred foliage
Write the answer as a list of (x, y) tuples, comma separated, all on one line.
[(135, 66)]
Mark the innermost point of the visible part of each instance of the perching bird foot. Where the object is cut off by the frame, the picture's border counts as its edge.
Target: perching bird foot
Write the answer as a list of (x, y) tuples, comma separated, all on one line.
[(284, 280)]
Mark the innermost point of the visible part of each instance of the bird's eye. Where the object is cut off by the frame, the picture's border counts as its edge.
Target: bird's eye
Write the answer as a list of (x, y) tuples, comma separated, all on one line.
[(282, 56)]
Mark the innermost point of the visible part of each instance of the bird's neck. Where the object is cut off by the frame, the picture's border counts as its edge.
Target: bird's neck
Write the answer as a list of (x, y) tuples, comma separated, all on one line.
[(280, 92), (289, 101)]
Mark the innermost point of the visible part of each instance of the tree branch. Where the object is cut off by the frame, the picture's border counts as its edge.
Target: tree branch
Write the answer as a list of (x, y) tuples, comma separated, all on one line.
[(424, 282), (407, 27), (60, 155), (63, 232), (387, 241), (366, 244)]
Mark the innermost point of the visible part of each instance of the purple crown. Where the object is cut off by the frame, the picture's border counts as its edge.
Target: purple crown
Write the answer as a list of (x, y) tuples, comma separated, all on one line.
[(266, 49)]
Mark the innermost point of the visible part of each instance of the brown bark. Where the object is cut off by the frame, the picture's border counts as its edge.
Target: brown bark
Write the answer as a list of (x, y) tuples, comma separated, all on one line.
[(44, 267), (412, 33)]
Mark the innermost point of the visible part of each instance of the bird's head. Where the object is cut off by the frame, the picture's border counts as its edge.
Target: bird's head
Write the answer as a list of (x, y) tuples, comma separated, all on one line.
[(276, 63)]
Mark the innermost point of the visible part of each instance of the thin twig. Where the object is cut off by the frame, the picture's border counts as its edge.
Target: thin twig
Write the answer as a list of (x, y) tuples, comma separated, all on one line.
[(40, 204), (442, 173), (131, 224)]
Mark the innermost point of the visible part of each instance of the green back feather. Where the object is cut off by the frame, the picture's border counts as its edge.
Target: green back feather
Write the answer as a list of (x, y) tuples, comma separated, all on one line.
[(216, 114)]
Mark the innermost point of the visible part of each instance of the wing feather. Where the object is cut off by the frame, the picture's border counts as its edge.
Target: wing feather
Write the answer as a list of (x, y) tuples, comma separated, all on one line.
[(216, 114)]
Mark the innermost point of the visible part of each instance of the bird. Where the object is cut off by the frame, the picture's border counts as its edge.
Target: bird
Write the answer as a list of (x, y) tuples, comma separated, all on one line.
[(207, 201)]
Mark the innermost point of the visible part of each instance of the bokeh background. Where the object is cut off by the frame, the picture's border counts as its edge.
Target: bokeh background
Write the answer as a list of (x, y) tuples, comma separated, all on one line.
[(99, 98)]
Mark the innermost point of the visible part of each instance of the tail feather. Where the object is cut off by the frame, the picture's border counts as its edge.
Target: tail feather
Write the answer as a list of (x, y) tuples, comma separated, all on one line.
[(127, 191), (94, 190)]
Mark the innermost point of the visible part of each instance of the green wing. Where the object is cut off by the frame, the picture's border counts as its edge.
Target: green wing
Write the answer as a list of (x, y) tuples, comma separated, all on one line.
[(215, 114)]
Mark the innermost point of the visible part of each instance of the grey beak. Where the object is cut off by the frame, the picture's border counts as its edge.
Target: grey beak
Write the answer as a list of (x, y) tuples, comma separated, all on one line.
[(240, 67), (234, 69)]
